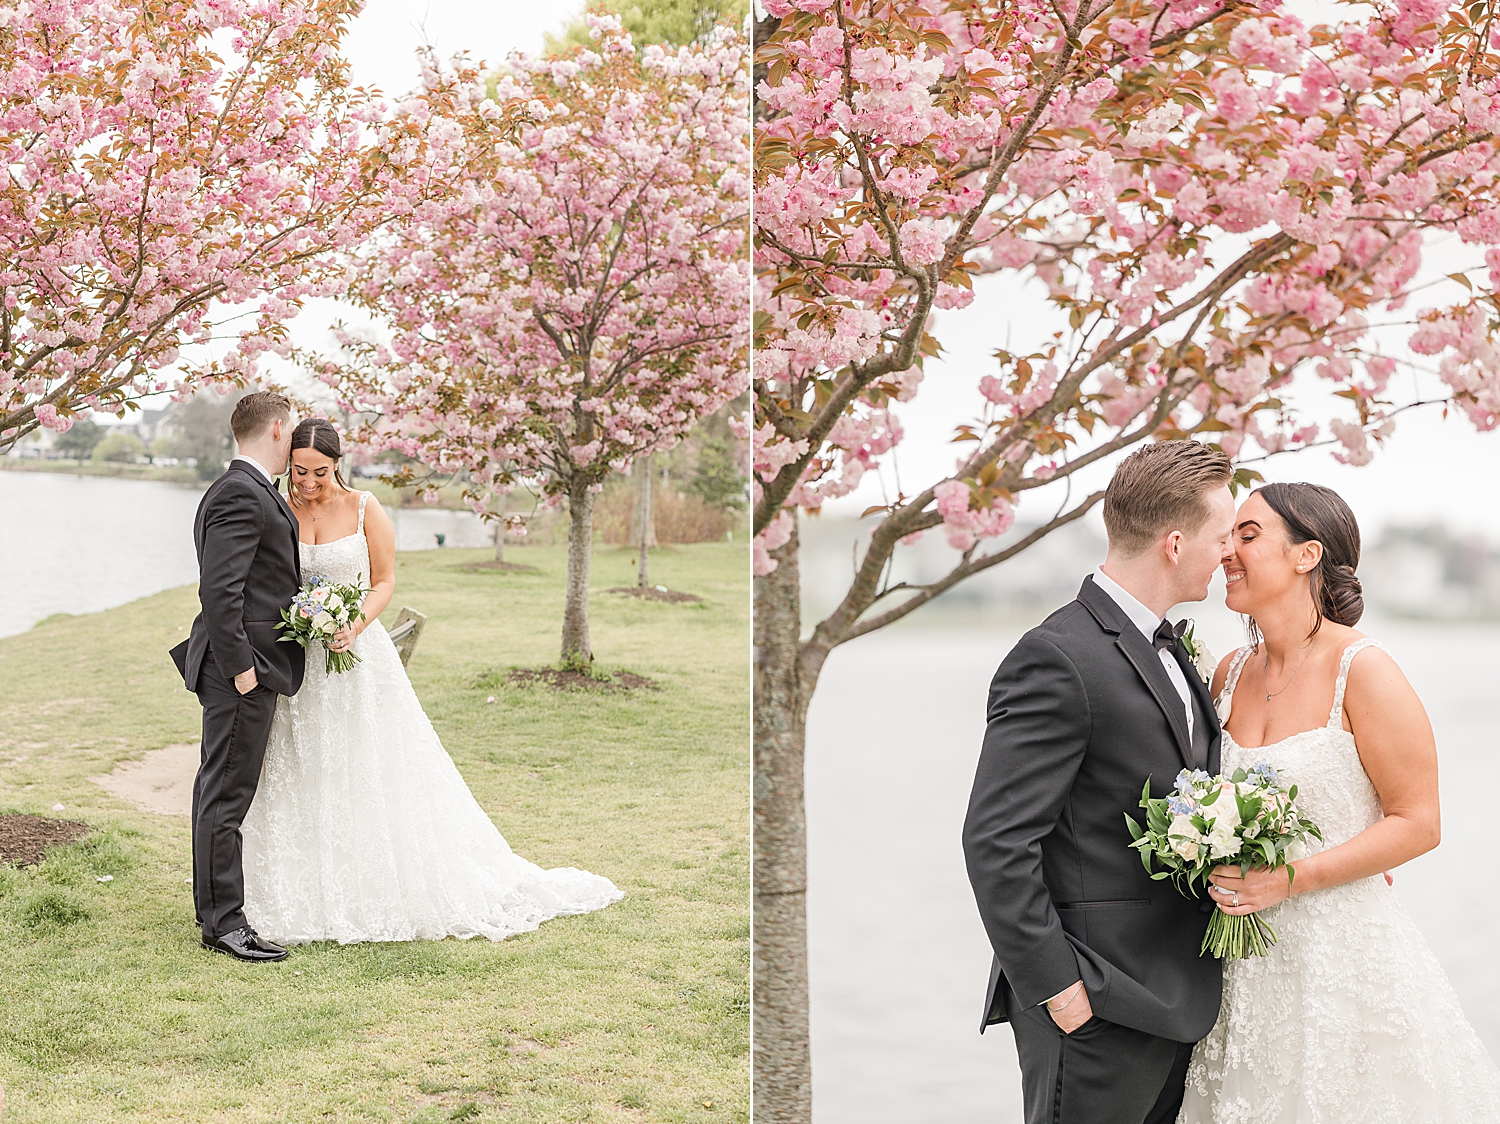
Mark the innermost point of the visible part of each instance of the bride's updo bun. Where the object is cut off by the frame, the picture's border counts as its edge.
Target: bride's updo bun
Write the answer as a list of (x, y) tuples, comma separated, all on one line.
[(318, 434), (1312, 512)]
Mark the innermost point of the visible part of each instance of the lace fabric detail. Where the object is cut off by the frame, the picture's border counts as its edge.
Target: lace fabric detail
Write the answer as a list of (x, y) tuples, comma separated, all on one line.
[(1349, 1019), (363, 829)]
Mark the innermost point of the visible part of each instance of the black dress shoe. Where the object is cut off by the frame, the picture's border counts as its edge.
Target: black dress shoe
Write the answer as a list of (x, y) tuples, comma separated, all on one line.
[(246, 944)]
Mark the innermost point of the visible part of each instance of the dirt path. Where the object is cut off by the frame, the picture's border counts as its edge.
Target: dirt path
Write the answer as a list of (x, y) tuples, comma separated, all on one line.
[(161, 782)]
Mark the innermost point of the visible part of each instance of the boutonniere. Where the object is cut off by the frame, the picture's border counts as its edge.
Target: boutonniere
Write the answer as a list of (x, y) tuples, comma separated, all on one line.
[(1198, 652)]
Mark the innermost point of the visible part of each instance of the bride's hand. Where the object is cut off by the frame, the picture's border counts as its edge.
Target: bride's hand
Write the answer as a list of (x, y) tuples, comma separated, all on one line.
[(1260, 889), (343, 639)]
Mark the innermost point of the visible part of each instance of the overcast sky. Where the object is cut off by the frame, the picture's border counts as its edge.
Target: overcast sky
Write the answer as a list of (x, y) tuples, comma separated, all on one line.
[(384, 37)]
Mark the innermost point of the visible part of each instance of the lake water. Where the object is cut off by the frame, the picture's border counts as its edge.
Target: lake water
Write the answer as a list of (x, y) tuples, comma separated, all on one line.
[(79, 544), (899, 960)]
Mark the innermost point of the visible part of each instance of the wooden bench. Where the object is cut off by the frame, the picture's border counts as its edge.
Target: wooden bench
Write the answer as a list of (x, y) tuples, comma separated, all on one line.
[(407, 631)]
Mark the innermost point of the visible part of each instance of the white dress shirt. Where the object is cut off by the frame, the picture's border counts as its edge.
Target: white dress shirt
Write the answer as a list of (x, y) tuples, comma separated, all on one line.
[(1147, 621), (260, 468)]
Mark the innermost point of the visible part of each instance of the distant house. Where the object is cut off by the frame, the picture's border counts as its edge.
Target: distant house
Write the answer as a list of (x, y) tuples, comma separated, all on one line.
[(149, 425), (36, 445), (1432, 572)]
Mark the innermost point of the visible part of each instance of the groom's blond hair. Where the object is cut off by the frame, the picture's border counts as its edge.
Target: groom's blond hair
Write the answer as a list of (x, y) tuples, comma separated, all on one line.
[(1162, 487)]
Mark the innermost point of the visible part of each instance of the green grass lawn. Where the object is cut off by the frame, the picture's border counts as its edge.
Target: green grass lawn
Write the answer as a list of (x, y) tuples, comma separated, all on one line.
[(110, 1011)]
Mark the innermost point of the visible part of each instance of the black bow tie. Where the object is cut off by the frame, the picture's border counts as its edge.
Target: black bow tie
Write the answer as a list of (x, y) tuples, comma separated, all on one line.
[(1167, 634)]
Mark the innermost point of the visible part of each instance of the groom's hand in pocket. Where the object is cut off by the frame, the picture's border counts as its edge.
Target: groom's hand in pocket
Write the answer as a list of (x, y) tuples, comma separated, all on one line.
[(1070, 1008), (245, 681)]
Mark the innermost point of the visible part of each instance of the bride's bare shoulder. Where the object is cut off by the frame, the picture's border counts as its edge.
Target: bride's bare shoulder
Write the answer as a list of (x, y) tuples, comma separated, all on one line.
[(1375, 678)]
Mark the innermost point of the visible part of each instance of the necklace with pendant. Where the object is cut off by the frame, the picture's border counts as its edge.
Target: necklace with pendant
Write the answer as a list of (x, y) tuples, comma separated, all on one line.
[(1266, 679)]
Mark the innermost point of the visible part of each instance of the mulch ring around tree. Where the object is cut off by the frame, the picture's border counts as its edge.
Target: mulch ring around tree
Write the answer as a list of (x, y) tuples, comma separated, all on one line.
[(623, 682), (653, 593), (506, 567), (24, 839)]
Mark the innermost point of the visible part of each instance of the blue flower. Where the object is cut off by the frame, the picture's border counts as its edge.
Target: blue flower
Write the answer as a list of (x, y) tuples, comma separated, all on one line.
[(1266, 772), (1186, 780), (1180, 807)]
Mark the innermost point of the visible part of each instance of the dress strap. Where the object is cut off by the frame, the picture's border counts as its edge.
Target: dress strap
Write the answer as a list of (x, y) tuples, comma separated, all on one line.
[(1225, 702), (363, 496), (1236, 665), (1335, 716)]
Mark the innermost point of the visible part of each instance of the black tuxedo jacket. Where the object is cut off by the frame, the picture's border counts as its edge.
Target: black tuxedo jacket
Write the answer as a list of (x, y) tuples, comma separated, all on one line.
[(249, 569), (1080, 713)]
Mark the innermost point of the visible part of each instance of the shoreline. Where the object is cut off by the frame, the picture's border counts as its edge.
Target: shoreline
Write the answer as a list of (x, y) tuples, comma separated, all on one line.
[(151, 473), (449, 496)]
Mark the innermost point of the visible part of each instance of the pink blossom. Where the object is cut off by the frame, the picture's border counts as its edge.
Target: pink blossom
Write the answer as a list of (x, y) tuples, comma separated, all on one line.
[(775, 536), (1356, 443), (1276, 224), (46, 414), (1238, 102), (921, 243), (203, 192)]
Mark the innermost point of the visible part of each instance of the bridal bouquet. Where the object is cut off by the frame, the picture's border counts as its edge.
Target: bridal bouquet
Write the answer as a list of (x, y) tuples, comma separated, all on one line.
[(1209, 821), (322, 607)]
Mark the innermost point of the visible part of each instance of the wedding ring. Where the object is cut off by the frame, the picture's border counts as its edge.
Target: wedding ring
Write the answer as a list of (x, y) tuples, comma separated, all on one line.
[(1236, 900)]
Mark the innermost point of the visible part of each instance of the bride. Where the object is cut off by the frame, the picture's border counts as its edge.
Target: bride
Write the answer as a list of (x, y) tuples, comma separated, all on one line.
[(362, 829), (1349, 1019)]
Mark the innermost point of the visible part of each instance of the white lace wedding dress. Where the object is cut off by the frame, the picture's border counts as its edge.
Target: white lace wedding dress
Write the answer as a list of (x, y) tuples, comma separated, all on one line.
[(362, 829), (1349, 1019)]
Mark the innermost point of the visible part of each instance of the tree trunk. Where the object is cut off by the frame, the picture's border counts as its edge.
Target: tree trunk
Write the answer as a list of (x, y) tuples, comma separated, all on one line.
[(641, 577), (783, 1060), (576, 652), (500, 531)]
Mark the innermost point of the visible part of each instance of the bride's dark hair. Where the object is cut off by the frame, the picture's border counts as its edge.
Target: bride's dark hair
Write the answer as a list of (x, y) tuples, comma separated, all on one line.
[(1311, 512), (318, 434)]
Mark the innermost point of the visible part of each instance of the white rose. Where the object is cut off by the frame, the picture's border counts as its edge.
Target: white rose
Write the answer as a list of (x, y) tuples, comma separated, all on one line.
[(1185, 838), (324, 622), (1223, 843)]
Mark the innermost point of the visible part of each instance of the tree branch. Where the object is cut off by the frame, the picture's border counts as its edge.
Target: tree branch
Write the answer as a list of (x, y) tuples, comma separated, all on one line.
[(926, 593)]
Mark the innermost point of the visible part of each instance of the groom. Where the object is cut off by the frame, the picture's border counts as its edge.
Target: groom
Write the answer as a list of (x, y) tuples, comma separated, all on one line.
[(249, 571), (1096, 966)]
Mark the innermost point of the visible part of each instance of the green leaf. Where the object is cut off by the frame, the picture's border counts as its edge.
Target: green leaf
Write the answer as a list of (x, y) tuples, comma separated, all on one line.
[(1462, 280), (1134, 828)]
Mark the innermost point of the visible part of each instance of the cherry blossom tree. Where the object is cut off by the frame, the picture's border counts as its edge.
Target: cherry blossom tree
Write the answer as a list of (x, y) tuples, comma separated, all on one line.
[(586, 301), (174, 165), (1226, 210)]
